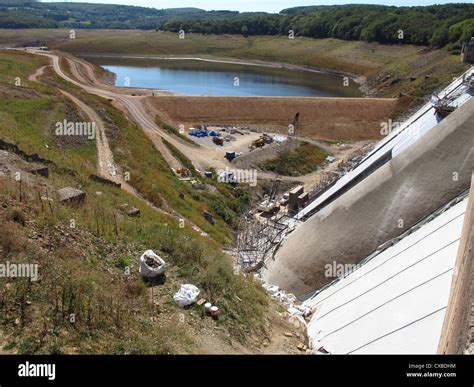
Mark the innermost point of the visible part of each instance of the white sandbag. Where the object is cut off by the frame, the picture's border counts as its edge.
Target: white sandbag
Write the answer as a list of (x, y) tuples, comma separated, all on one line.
[(186, 295), (271, 289), (151, 265)]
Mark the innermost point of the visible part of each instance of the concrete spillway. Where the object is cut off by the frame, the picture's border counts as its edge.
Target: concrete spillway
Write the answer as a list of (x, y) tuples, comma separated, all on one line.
[(395, 302), (419, 177)]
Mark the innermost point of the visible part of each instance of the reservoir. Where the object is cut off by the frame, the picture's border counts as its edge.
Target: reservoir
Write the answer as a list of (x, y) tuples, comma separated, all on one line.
[(197, 77)]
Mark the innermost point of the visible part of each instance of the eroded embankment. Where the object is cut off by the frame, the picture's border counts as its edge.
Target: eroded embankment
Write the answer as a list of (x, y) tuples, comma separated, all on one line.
[(407, 189), (330, 119)]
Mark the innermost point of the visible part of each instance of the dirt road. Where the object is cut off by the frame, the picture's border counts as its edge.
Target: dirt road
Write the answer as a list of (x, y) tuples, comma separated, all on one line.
[(105, 161), (130, 103), (34, 77)]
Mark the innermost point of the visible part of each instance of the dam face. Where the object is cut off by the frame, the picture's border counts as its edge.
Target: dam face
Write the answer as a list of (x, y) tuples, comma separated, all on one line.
[(330, 119), (415, 182)]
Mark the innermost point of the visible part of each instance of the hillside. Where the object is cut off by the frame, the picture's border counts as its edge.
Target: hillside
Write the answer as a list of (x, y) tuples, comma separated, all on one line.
[(89, 297), (436, 25)]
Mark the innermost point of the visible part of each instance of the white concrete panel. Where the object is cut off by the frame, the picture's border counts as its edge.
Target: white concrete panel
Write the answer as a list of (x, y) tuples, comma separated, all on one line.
[(399, 295), (399, 139)]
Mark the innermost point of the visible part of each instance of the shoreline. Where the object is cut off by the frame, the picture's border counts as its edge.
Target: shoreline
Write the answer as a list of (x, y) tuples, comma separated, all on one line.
[(359, 80)]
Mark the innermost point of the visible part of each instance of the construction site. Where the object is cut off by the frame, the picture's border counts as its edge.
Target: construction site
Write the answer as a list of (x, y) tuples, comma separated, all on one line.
[(370, 199), (372, 194), (266, 178), (350, 226), (401, 214)]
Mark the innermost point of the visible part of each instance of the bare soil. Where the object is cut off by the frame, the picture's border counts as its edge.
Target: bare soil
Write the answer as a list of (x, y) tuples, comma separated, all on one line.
[(330, 119)]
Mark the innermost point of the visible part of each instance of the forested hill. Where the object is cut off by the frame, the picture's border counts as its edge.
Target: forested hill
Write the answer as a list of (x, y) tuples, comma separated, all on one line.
[(437, 25)]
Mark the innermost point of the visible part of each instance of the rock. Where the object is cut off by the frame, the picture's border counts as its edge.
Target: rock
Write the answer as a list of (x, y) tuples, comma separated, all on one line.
[(301, 347), (208, 216), (38, 169), (133, 212), (130, 210), (71, 195)]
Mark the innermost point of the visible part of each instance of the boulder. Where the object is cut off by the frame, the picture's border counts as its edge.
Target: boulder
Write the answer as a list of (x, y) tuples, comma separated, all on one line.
[(38, 169), (71, 195), (130, 210)]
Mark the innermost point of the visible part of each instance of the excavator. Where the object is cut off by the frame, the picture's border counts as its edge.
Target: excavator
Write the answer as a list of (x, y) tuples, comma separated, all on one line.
[(261, 141)]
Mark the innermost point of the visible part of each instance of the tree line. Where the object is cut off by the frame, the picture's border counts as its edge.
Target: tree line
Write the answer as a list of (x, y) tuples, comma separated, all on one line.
[(437, 25)]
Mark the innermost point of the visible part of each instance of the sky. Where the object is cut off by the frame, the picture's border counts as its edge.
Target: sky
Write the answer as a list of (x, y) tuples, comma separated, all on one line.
[(256, 5)]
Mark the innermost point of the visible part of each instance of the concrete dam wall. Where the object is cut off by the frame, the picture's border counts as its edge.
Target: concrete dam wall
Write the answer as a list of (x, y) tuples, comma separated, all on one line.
[(420, 179)]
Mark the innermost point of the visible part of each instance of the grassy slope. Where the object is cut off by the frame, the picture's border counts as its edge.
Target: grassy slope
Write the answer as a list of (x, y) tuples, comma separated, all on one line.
[(82, 268), (21, 122), (303, 159), (172, 130)]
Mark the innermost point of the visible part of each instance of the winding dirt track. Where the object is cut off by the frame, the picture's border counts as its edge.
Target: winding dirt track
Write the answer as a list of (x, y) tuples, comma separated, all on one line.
[(39, 71), (130, 103), (105, 161)]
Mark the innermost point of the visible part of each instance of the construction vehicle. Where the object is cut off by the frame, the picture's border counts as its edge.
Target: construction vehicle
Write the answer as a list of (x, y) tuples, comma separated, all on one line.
[(258, 143), (267, 139), (261, 141)]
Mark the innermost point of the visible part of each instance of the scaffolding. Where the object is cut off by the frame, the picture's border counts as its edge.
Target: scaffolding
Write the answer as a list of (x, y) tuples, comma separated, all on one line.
[(259, 238)]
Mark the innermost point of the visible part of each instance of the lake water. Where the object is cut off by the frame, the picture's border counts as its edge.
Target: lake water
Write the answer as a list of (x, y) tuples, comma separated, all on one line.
[(192, 77)]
